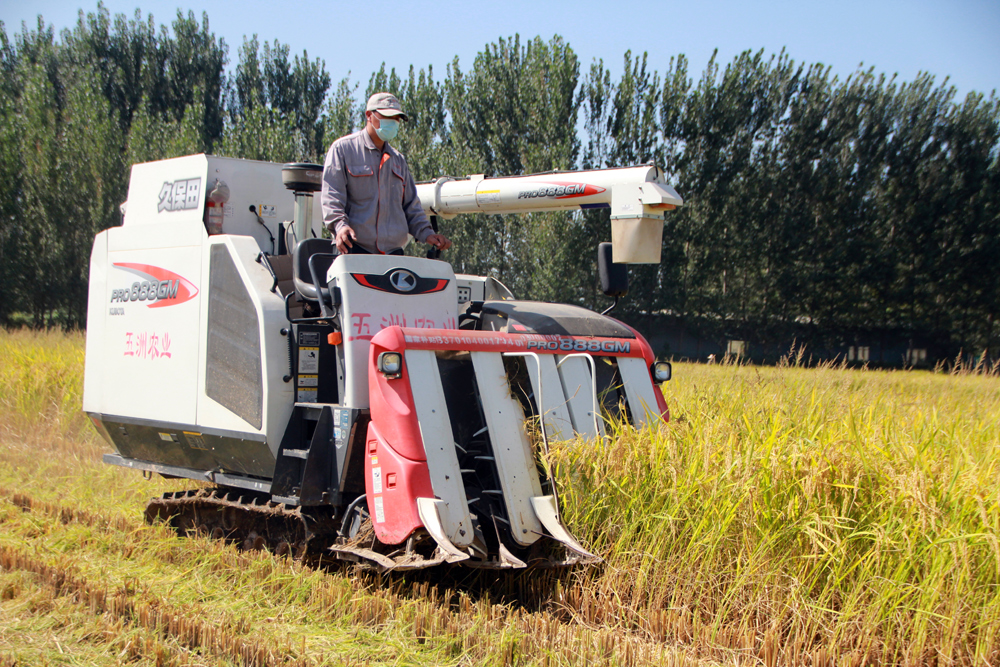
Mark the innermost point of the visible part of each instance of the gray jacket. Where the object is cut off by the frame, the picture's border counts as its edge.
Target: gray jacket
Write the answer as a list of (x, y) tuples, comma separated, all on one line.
[(373, 192)]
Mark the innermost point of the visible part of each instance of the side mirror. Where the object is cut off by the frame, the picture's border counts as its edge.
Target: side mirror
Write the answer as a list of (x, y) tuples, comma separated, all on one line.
[(614, 277)]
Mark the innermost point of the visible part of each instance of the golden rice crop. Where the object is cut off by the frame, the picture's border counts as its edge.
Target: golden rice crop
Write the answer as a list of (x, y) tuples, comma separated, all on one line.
[(785, 516), (825, 511)]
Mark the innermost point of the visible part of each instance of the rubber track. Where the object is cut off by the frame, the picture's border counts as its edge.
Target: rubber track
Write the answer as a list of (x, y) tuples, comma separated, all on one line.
[(246, 519)]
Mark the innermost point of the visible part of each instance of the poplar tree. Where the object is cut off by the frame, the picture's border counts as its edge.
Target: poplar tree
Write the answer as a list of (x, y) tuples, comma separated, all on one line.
[(837, 212)]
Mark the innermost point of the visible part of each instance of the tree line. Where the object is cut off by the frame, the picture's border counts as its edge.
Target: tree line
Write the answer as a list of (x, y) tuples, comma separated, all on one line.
[(816, 207)]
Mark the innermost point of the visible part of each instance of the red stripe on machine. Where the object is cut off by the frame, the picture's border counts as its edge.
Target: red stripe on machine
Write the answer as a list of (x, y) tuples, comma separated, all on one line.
[(493, 341), (363, 279), (160, 289)]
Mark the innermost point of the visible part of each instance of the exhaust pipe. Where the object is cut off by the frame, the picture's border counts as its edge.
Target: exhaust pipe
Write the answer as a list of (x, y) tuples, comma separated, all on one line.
[(302, 178)]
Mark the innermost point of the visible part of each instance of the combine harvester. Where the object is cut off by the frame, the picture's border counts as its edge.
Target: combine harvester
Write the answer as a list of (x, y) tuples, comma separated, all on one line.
[(376, 407)]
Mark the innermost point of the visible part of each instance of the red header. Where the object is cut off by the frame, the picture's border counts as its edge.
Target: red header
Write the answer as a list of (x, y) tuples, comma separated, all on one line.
[(494, 341)]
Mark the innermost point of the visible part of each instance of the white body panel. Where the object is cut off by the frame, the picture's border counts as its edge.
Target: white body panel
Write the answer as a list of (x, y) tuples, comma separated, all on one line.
[(366, 311), (167, 191), (96, 353), (250, 183), (638, 390), (146, 359), (439, 445), (514, 457), (279, 396), (577, 381), (549, 396), (148, 350)]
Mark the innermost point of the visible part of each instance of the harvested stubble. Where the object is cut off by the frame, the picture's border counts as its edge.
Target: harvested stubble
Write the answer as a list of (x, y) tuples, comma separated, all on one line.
[(786, 516)]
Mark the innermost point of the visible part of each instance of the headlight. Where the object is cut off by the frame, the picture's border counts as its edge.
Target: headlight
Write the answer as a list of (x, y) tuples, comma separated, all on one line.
[(390, 364), (662, 370)]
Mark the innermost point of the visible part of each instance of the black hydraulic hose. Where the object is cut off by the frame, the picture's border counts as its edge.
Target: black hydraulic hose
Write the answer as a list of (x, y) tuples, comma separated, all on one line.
[(253, 209), (262, 259)]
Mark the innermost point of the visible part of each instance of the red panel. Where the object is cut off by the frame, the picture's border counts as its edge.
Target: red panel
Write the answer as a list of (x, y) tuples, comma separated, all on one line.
[(391, 401), (395, 447), (398, 502), (399, 339)]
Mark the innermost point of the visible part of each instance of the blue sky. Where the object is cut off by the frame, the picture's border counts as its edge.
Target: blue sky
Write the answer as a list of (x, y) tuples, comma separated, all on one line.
[(960, 39)]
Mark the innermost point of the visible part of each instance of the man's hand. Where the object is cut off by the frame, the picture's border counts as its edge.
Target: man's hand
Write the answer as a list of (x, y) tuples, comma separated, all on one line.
[(343, 239), (439, 241)]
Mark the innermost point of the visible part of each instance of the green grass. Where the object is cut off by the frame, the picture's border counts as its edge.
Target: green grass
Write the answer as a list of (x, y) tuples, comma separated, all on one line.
[(785, 516)]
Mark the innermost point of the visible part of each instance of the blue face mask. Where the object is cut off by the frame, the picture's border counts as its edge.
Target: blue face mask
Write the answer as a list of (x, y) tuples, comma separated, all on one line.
[(387, 129)]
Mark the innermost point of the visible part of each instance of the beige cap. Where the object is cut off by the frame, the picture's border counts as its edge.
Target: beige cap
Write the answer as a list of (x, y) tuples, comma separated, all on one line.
[(386, 104)]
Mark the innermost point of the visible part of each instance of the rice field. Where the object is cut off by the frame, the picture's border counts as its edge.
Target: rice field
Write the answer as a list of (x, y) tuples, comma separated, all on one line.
[(786, 516)]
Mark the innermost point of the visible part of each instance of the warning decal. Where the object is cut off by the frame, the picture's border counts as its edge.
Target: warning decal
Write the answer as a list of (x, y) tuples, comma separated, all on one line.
[(308, 360)]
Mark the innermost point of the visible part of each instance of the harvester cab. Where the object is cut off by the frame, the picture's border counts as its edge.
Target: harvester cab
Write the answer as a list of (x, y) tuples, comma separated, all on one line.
[(378, 407)]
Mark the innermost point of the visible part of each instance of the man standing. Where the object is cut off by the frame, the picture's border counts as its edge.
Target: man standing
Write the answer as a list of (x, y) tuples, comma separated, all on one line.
[(369, 199)]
